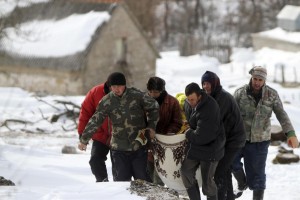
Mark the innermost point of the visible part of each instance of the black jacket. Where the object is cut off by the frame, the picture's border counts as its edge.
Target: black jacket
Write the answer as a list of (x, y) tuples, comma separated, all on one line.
[(206, 136)]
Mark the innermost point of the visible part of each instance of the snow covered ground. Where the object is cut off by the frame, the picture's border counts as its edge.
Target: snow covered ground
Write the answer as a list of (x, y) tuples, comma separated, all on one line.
[(34, 162)]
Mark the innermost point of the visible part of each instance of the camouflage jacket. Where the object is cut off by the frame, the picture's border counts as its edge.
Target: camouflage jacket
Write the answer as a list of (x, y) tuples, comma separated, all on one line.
[(130, 113), (257, 118)]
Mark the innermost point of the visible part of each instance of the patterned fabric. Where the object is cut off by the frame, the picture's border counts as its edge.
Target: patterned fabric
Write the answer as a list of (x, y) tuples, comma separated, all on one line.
[(257, 118), (127, 114)]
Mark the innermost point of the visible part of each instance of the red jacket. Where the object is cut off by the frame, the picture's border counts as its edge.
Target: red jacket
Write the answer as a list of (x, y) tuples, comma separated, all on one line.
[(88, 107)]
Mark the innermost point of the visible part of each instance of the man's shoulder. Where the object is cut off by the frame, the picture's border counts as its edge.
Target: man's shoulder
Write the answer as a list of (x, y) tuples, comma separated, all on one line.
[(98, 89), (270, 89), (225, 96), (135, 91), (241, 89)]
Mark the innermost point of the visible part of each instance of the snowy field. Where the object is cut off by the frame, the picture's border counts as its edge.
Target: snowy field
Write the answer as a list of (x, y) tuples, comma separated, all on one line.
[(34, 162)]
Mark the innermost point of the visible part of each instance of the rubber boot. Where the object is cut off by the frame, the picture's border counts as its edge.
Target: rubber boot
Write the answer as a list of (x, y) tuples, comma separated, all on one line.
[(194, 192), (258, 194), (241, 181)]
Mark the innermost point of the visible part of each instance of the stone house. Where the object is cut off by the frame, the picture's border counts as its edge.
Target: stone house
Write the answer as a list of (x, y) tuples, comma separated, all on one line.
[(117, 43), (286, 36)]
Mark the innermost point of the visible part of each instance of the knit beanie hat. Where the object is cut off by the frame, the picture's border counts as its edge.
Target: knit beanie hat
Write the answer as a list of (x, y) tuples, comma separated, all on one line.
[(259, 71), (156, 83), (116, 78)]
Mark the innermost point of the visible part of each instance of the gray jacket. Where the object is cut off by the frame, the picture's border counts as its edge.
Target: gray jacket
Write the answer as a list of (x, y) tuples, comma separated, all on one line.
[(257, 118)]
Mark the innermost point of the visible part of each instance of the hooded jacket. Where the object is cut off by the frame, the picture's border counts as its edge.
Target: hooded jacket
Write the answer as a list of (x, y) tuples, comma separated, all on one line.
[(230, 112)]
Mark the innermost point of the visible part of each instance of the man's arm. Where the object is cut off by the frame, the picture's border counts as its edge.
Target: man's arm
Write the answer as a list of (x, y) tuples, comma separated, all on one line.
[(95, 121), (285, 122)]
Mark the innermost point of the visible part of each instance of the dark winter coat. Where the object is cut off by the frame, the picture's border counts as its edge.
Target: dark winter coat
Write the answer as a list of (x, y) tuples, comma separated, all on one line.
[(230, 112), (232, 119), (88, 107), (206, 136)]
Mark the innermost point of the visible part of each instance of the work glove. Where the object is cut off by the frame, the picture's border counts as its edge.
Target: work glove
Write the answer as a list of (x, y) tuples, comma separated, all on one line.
[(292, 139), (142, 138)]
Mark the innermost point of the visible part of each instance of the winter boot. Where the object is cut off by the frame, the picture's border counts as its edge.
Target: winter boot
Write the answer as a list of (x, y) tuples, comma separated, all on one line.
[(258, 194), (102, 180), (242, 182), (194, 192), (212, 197)]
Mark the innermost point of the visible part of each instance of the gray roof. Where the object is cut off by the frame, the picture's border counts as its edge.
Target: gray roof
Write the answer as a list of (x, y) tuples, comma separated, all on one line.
[(57, 9)]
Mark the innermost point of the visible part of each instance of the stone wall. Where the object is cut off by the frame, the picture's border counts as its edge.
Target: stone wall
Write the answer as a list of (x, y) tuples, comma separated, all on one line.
[(43, 81)]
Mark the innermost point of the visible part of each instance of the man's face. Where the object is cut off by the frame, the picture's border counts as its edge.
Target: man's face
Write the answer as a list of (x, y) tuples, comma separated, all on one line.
[(118, 89), (207, 87), (193, 99), (154, 93), (257, 83)]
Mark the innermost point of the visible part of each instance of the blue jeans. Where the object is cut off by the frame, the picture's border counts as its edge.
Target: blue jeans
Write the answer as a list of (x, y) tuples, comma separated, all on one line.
[(255, 156)]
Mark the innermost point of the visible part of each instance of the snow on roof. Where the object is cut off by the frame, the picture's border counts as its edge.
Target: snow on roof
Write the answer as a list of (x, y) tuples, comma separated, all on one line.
[(289, 12), (7, 6), (50, 38), (279, 33)]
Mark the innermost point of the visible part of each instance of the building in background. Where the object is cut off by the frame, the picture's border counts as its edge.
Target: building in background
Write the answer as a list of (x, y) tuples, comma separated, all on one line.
[(67, 46), (286, 36)]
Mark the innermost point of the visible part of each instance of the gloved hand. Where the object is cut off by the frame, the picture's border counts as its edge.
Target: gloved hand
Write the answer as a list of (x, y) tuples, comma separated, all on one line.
[(292, 139), (142, 137)]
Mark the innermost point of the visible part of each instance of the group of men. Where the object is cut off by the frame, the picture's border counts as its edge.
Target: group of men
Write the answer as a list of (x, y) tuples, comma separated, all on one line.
[(222, 129)]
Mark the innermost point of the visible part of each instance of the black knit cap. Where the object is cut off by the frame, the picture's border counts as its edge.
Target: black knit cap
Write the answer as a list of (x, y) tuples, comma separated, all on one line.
[(156, 83), (116, 78)]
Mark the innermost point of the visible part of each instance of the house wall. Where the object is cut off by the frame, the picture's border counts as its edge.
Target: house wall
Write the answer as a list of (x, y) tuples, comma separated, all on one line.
[(103, 57), (289, 25), (260, 41), (40, 80)]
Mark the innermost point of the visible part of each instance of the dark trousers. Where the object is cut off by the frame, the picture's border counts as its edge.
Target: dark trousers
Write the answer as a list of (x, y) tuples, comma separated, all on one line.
[(255, 156), (188, 175), (223, 177), (97, 161), (128, 164)]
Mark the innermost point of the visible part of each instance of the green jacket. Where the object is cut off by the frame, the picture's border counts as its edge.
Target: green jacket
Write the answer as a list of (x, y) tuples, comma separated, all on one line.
[(257, 118), (129, 114)]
